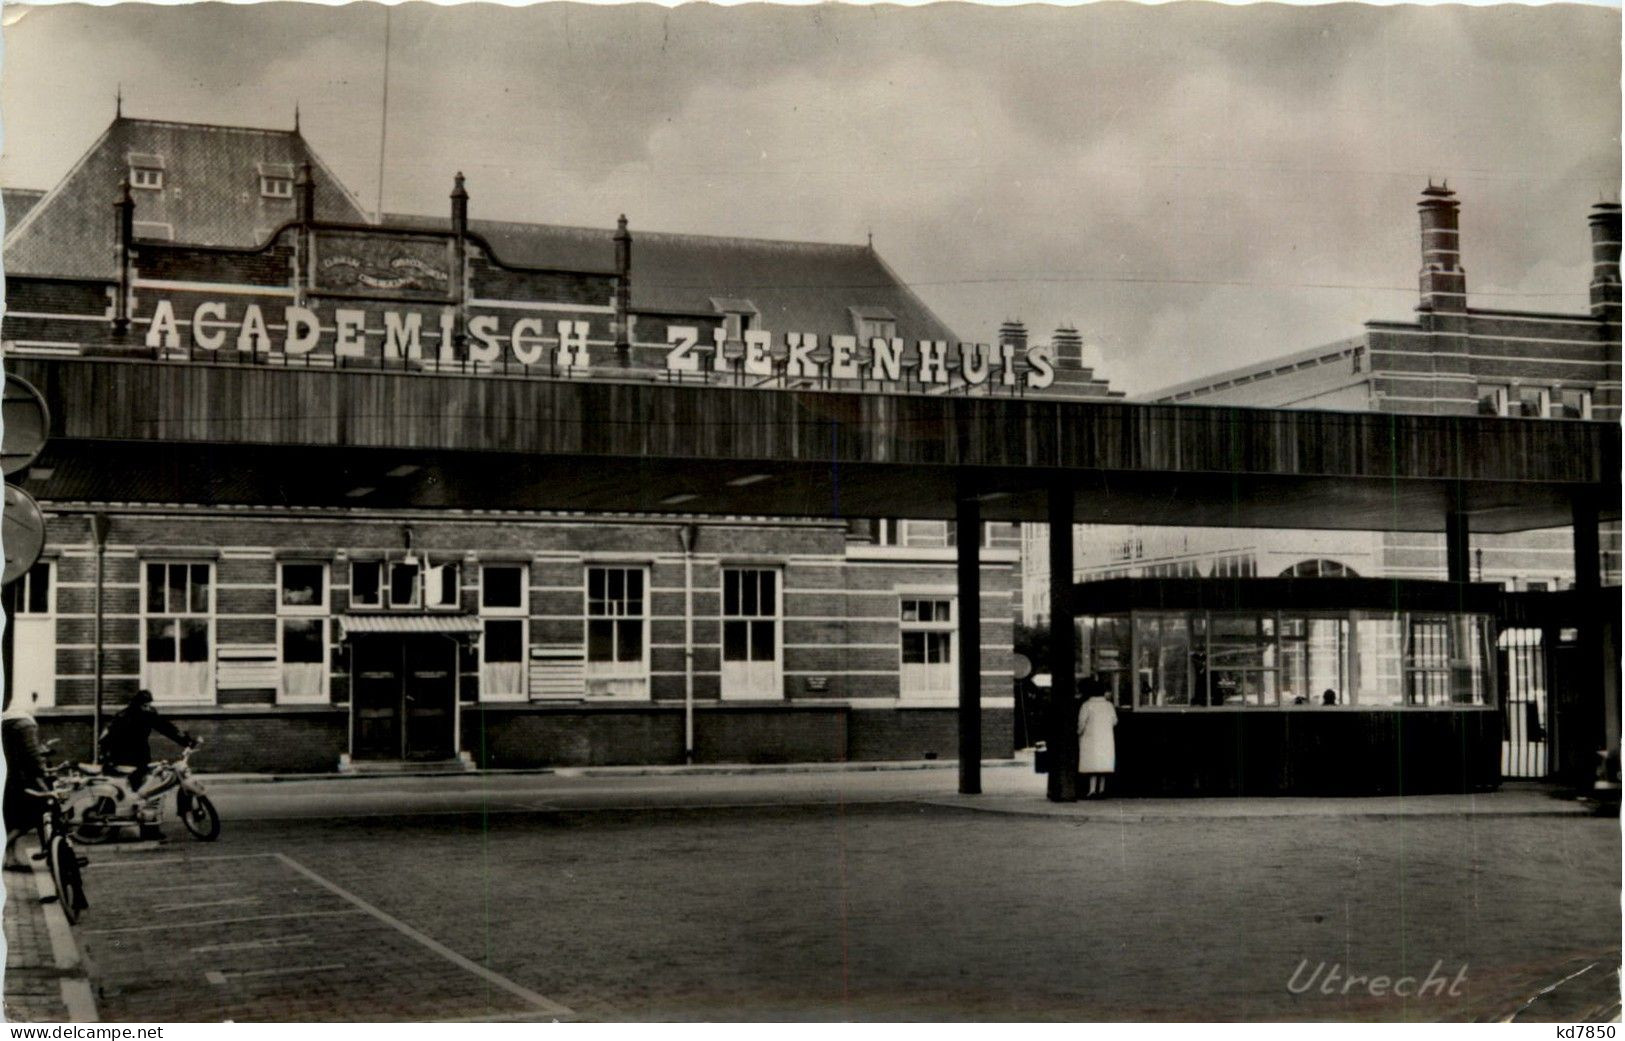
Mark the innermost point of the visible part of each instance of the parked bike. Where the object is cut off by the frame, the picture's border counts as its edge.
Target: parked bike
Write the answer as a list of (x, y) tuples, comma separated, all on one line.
[(63, 860), (105, 803)]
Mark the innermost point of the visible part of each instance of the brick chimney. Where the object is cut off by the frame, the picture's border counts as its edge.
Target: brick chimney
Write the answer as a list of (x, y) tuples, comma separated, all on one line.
[(623, 293), (1068, 344), (305, 187), (1605, 293), (1014, 333), (124, 235), (459, 206), (1444, 283)]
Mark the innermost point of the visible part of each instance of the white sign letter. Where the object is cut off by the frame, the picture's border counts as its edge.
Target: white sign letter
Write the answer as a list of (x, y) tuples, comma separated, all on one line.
[(403, 336), (448, 334), (1007, 364), (526, 342), (349, 333), (933, 361), (757, 360), (800, 362), (1042, 373), (484, 328), (573, 345), (719, 360), (253, 338), (843, 363), (973, 362), (303, 330), (681, 357), (888, 363), (163, 332), (217, 314)]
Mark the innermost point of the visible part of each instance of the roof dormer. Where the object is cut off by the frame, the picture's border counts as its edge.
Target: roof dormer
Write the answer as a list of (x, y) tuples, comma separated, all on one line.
[(276, 180), (146, 171)]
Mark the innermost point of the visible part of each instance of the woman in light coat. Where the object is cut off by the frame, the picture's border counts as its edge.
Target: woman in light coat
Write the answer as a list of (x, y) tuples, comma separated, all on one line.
[(1097, 745)]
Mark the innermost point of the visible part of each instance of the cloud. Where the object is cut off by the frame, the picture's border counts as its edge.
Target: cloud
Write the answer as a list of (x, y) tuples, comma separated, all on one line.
[(1195, 186)]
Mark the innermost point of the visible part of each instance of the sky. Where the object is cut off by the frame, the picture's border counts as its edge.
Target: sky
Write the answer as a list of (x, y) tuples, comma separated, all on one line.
[(1194, 187)]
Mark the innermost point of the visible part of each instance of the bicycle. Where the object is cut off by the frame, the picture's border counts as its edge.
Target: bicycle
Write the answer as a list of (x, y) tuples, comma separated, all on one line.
[(64, 862)]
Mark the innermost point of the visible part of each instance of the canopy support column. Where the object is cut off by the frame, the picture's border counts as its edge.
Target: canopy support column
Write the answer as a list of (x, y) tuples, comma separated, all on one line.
[(1457, 548), (1598, 636), (968, 534), (1062, 737)]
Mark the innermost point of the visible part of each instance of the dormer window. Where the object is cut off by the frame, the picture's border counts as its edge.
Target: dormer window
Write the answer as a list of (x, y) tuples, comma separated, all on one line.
[(737, 317), (870, 323), (146, 171), (276, 180)]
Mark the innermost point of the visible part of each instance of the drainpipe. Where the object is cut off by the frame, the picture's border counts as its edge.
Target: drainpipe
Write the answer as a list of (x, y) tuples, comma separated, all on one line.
[(98, 532), (686, 535)]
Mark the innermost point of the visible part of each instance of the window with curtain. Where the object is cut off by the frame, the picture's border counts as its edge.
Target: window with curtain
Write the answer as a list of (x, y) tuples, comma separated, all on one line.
[(302, 631), (504, 605), (178, 631)]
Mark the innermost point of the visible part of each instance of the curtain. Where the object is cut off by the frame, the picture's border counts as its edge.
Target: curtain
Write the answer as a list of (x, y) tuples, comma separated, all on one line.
[(303, 681), (502, 679), (181, 681)]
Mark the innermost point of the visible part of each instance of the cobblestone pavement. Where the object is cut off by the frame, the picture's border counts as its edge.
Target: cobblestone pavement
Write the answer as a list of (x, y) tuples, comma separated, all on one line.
[(873, 912), (40, 979)]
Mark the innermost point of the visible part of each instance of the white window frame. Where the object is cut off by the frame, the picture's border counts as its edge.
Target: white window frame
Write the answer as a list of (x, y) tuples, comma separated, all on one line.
[(383, 587), (148, 682), (1501, 393), (1543, 401), (520, 614), (305, 612), (630, 675), (456, 601), (46, 618), (776, 687), (147, 178), (875, 329), (276, 187), (26, 585), (949, 694), (416, 603)]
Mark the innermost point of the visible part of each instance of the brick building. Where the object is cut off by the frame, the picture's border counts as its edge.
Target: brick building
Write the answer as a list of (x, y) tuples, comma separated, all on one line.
[(300, 638), (1453, 359)]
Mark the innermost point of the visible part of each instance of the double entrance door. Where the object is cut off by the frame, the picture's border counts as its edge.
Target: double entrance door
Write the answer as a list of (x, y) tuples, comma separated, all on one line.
[(404, 701)]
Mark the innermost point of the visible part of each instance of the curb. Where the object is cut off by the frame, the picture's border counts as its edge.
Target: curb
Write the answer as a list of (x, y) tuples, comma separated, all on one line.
[(78, 996), (1131, 816), (709, 770)]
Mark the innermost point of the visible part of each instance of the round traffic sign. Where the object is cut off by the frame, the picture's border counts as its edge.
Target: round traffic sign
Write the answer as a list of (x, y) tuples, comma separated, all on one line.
[(27, 424), (22, 532)]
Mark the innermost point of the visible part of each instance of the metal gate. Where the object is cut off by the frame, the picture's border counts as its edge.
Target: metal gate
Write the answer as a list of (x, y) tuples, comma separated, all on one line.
[(1526, 711)]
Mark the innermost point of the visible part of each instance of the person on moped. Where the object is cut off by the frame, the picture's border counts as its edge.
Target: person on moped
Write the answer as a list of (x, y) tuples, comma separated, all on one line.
[(126, 739)]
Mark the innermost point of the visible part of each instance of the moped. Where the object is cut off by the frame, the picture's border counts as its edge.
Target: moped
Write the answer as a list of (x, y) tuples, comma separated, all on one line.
[(104, 802)]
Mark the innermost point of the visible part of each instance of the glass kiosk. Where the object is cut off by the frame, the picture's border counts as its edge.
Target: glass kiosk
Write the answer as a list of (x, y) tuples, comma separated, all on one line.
[(1311, 685)]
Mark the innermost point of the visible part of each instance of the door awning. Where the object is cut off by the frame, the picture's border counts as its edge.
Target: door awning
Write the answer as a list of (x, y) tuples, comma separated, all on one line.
[(353, 624)]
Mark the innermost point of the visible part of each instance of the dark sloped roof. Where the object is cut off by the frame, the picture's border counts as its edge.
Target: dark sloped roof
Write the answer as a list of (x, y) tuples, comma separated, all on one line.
[(18, 202), (795, 286), (210, 195)]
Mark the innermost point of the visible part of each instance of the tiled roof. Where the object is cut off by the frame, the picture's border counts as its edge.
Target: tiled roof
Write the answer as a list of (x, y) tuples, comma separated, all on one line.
[(794, 286), (210, 194), (18, 202)]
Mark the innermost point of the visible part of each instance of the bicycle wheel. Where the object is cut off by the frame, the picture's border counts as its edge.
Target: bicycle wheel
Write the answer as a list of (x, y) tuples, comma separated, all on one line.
[(200, 817), (70, 888)]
